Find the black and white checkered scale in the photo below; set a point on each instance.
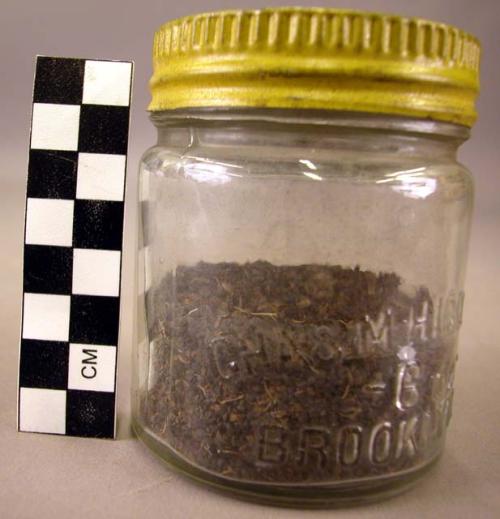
(73, 247)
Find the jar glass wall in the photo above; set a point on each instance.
(300, 294)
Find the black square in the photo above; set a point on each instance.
(44, 364)
(52, 174)
(98, 224)
(59, 80)
(103, 129)
(94, 320)
(90, 414)
(48, 270)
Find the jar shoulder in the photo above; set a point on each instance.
(308, 164)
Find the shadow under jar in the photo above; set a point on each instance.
(301, 271)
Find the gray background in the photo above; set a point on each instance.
(47, 476)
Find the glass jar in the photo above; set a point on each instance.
(302, 251)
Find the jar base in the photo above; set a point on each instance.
(308, 496)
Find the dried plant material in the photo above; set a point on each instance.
(296, 373)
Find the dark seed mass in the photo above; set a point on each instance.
(306, 373)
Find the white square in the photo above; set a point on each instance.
(42, 410)
(100, 176)
(96, 272)
(107, 83)
(92, 367)
(49, 222)
(55, 127)
(46, 317)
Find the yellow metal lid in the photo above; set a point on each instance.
(316, 58)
